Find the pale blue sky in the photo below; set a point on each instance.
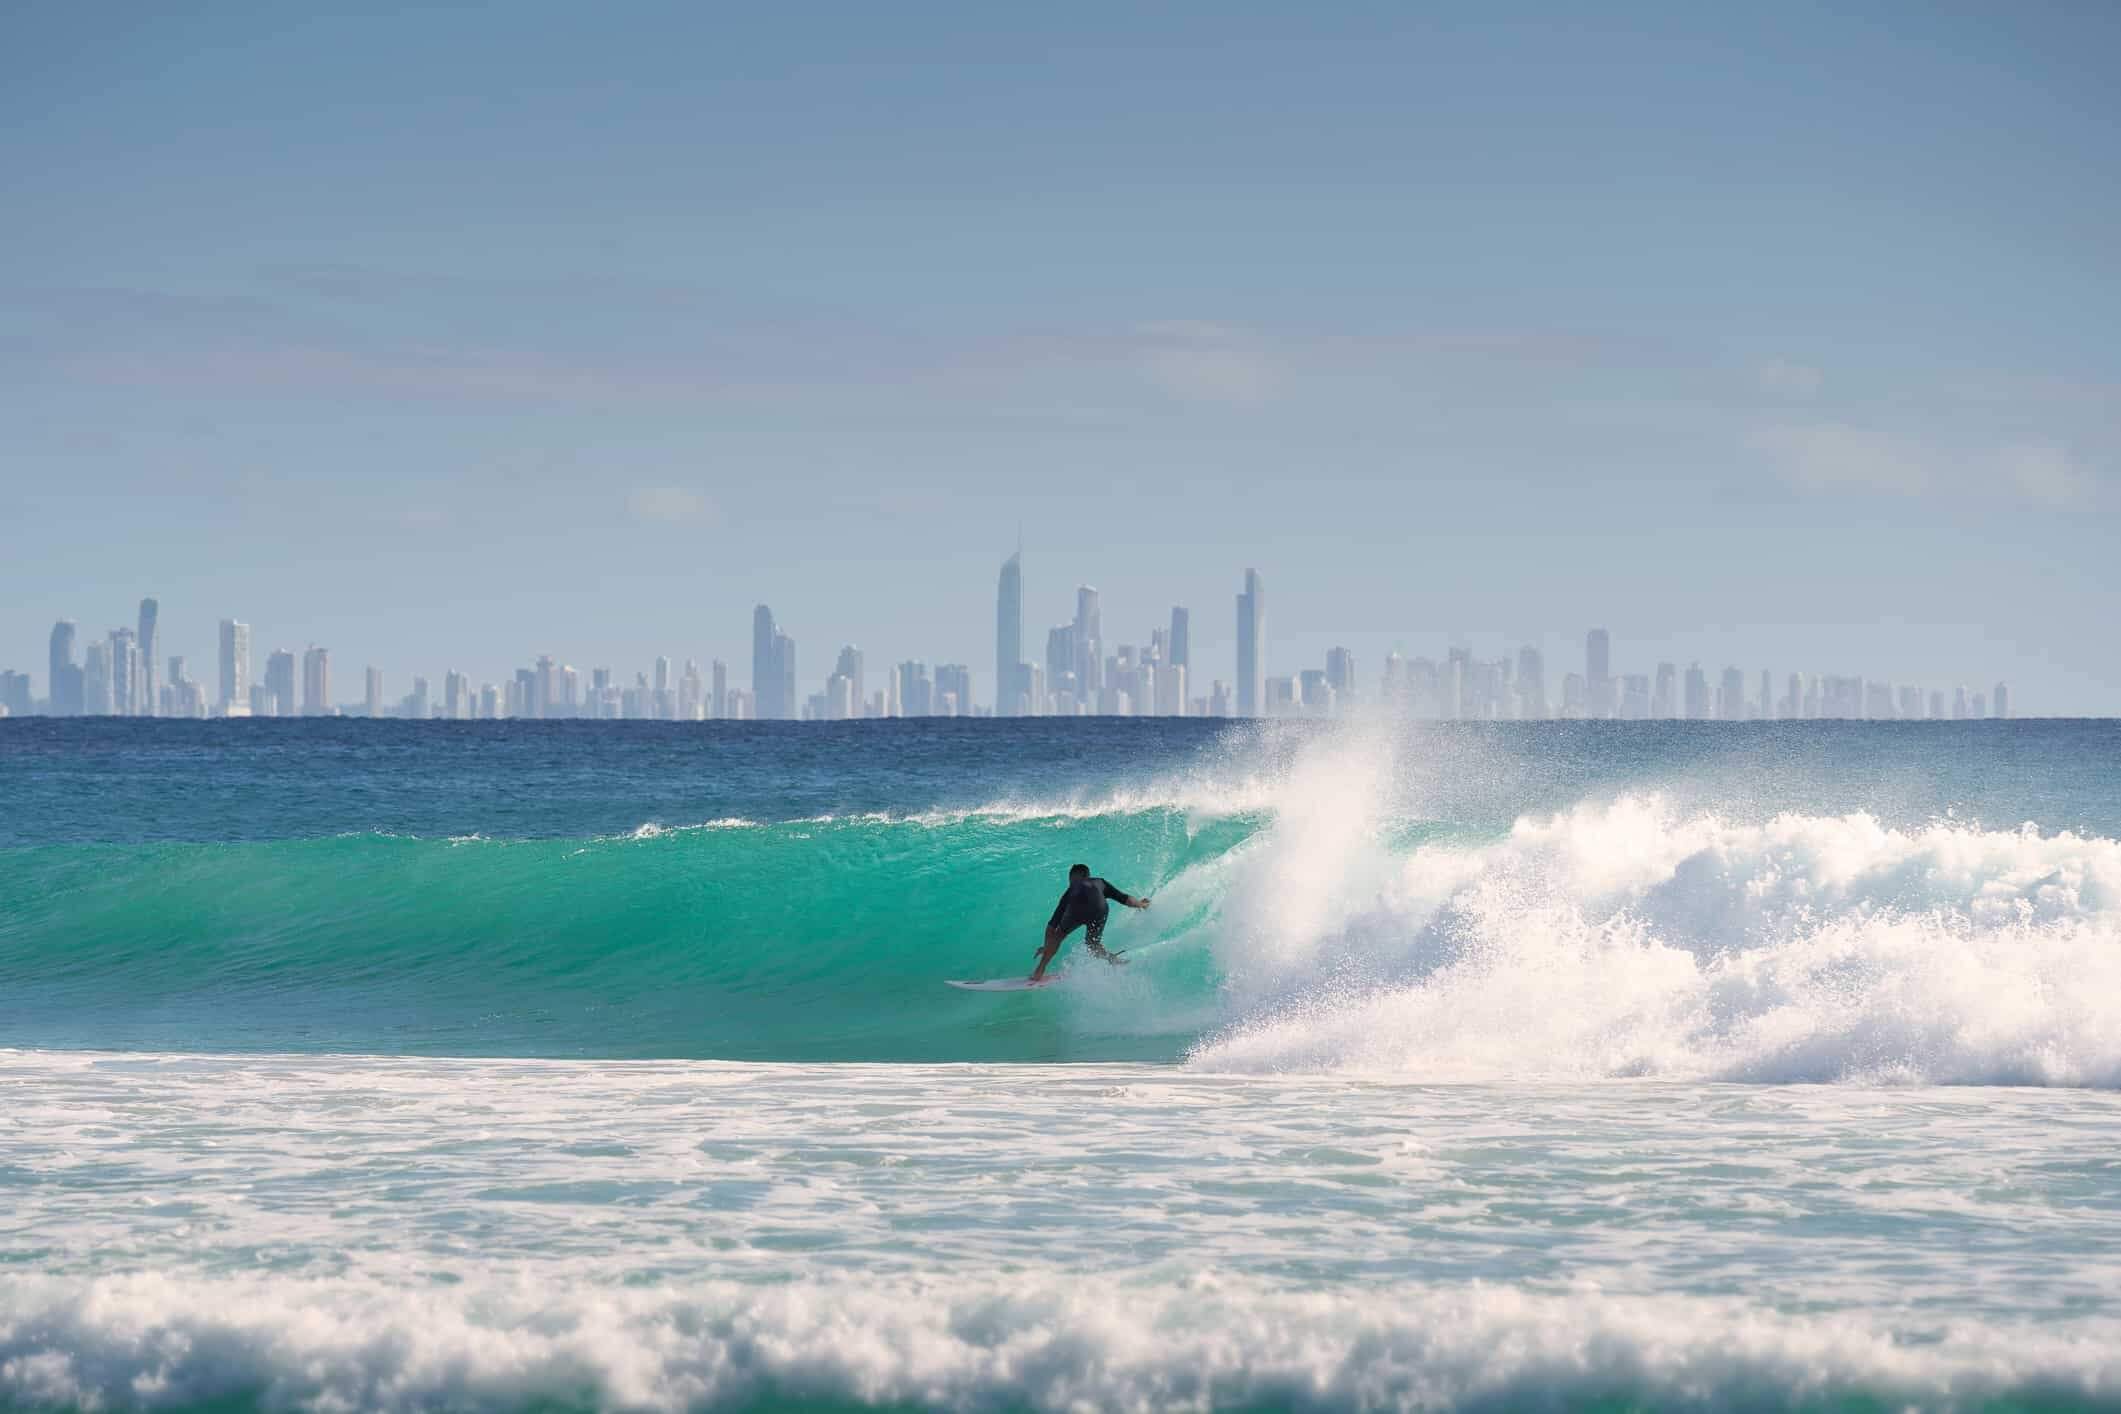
(1783, 338)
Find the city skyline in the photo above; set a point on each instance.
(1154, 674)
(1475, 322)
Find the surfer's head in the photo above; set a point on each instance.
(1078, 872)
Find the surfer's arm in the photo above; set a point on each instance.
(1121, 897)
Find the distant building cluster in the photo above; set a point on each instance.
(1462, 687)
(1079, 674)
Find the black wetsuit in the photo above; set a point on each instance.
(1083, 906)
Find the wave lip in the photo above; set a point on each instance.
(161, 1341)
(1625, 939)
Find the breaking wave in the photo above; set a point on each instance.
(161, 1341)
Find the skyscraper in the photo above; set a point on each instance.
(374, 694)
(1999, 701)
(915, 691)
(1009, 639)
(1251, 629)
(850, 666)
(1730, 696)
(1180, 654)
(316, 682)
(235, 665)
(65, 679)
(720, 671)
(124, 673)
(1531, 684)
(1340, 676)
(150, 611)
(765, 667)
(96, 699)
(280, 682)
(1089, 642)
(1598, 671)
(1664, 698)
(1060, 683)
(953, 690)
(1697, 693)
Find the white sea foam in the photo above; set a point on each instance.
(1629, 938)
(164, 1340)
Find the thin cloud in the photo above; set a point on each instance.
(671, 505)
(2048, 474)
(1203, 362)
(1831, 456)
(1781, 378)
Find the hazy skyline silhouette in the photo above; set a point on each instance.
(1780, 339)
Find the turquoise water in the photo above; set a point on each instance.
(367, 1065)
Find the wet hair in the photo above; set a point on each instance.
(1078, 871)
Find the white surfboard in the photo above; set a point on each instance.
(1006, 984)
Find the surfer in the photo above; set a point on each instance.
(1082, 906)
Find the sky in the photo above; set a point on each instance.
(449, 335)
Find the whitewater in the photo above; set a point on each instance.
(1587, 1065)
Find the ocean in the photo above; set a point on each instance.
(356, 1065)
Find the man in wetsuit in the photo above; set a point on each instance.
(1082, 906)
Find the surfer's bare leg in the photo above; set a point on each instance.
(1094, 940)
(1045, 953)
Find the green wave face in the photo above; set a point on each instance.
(808, 940)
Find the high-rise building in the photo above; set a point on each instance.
(953, 690)
(1531, 684)
(373, 697)
(1089, 642)
(16, 699)
(1697, 693)
(1340, 676)
(149, 645)
(1766, 711)
(235, 665)
(915, 692)
(1598, 672)
(280, 682)
(1730, 696)
(1999, 701)
(1959, 703)
(1059, 675)
(1251, 635)
(1179, 649)
(97, 699)
(316, 682)
(1635, 696)
(720, 671)
(772, 669)
(850, 666)
(1009, 683)
(125, 676)
(1664, 697)
(64, 682)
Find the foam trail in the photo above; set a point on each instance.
(1628, 939)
